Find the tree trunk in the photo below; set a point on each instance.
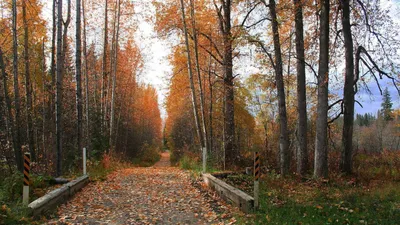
(192, 88)
(210, 116)
(17, 149)
(110, 77)
(53, 49)
(86, 69)
(61, 49)
(196, 53)
(321, 143)
(28, 86)
(10, 121)
(44, 120)
(104, 66)
(302, 154)
(53, 73)
(348, 96)
(60, 62)
(284, 134)
(114, 70)
(229, 121)
(78, 74)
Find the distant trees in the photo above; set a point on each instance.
(364, 119)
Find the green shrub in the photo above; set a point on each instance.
(11, 187)
(17, 214)
(175, 157)
(148, 155)
(189, 163)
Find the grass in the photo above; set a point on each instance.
(338, 201)
(194, 165)
(12, 211)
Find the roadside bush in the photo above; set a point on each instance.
(11, 188)
(150, 154)
(378, 166)
(190, 161)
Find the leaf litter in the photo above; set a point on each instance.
(153, 195)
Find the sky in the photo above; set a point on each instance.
(372, 102)
(155, 50)
(157, 69)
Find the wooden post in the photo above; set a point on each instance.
(257, 173)
(27, 162)
(84, 161)
(204, 160)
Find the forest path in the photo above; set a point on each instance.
(155, 195)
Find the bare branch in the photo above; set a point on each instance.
(335, 103)
(248, 13)
(212, 42)
(211, 54)
(359, 103)
(258, 22)
(264, 50)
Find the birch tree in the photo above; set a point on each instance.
(190, 73)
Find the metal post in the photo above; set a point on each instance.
(257, 173)
(25, 193)
(84, 161)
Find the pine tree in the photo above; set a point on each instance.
(387, 111)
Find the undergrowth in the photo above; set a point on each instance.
(12, 211)
(370, 196)
(148, 155)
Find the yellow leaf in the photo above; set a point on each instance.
(268, 219)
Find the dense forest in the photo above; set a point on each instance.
(288, 79)
(312, 59)
(61, 92)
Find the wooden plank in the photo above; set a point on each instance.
(230, 194)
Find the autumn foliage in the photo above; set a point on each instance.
(137, 119)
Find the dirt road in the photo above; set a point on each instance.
(155, 195)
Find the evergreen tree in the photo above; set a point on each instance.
(364, 119)
(386, 110)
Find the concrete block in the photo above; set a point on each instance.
(229, 193)
(57, 196)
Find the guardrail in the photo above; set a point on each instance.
(57, 196)
(229, 193)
